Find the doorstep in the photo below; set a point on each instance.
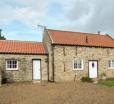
(36, 81)
(95, 80)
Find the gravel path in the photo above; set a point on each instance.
(56, 93)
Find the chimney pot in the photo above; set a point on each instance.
(99, 32)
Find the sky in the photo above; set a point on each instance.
(19, 19)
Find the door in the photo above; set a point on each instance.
(93, 69)
(36, 69)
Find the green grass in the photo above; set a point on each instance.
(109, 83)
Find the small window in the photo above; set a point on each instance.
(77, 64)
(11, 65)
(93, 65)
(111, 64)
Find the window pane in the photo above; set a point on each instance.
(12, 64)
(77, 64)
(109, 63)
(93, 65)
(8, 66)
(80, 64)
(74, 65)
(15, 62)
(112, 64)
(15, 66)
(8, 62)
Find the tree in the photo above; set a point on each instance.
(2, 37)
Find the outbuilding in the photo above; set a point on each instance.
(23, 61)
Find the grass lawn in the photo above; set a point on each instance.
(109, 83)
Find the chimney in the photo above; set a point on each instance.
(99, 32)
(86, 39)
(0, 32)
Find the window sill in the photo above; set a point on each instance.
(11, 69)
(111, 68)
(77, 69)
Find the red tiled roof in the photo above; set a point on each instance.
(21, 47)
(77, 38)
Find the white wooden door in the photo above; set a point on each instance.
(93, 68)
(36, 69)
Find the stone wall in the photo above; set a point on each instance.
(64, 56)
(24, 72)
(61, 60)
(47, 42)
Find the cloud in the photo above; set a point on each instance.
(79, 10)
(102, 18)
(76, 15)
(92, 16)
(30, 12)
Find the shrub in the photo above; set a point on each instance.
(103, 74)
(4, 80)
(86, 79)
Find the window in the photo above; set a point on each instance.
(111, 64)
(93, 65)
(77, 64)
(11, 65)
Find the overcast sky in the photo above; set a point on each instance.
(19, 18)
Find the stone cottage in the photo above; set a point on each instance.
(62, 56)
(73, 55)
(23, 61)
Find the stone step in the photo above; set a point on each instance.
(36, 81)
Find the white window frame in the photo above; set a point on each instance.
(112, 66)
(82, 67)
(11, 68)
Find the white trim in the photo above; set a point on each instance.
(111, 64)
(36, 69)
(11, 68)
(81, 66)
(93, 71)
(110, 67)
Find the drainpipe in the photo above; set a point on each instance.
(0, 77)
(48, 66)
(53, 68)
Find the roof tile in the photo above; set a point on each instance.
(78, 38)
(21, 47)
